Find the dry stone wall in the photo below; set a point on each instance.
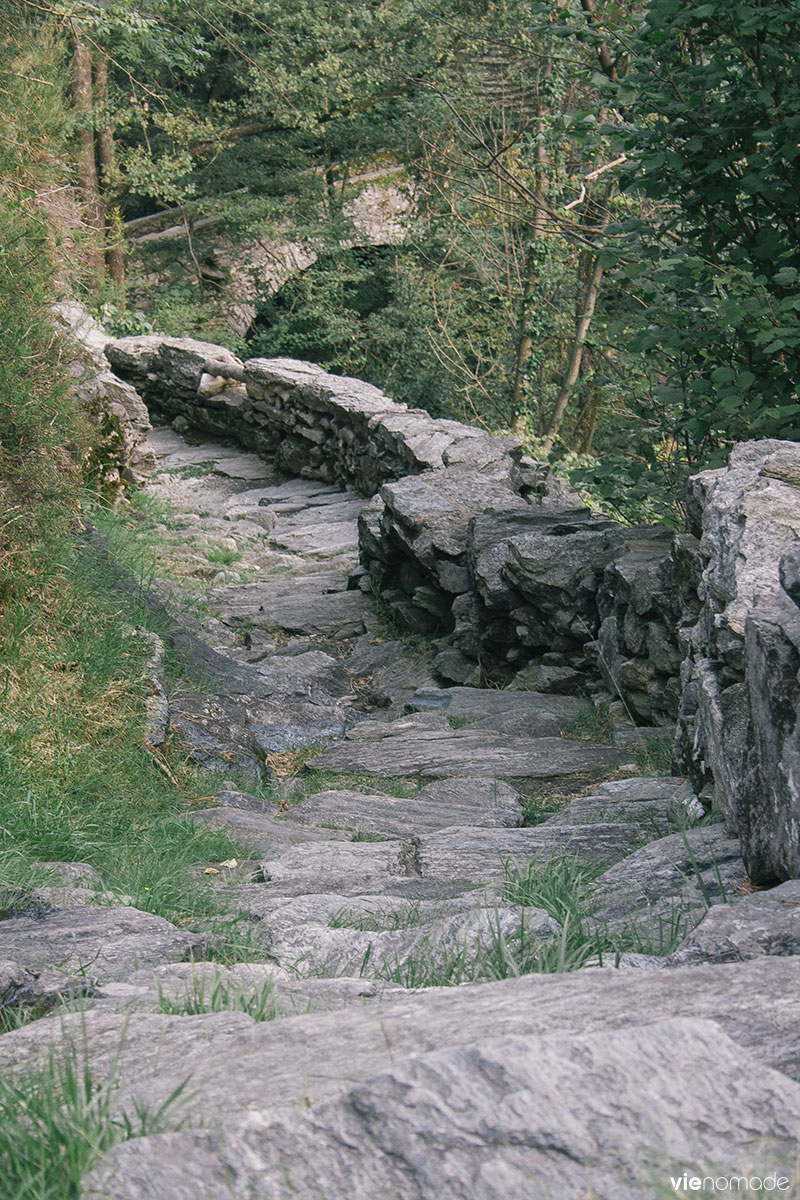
(487, 553)
(310, 422)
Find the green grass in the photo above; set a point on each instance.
(593, 724)
(224, 555)
(77, 780)
(234, 940)
(460, 722)
(382, 920)
(500, 956)
(55, 1122)
(216, 995)
(655, 756)
(542, 804)
(562, 886)
(192, 470)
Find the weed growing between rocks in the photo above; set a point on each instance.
(655, 756)
(594, 724)
(233, 940)
(57, 1121)
(382, 920)
(212, 996)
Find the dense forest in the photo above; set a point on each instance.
(600, 248)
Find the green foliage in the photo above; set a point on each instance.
(594, 724)
(55, 1122)
(43, 436)
(713, 138)
(217, 995)
(77, 781)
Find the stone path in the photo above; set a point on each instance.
(387, 863)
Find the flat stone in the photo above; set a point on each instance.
(530, 713)
(235, 1064)
(107, 942)
(266, 836)
(550, 1115)
(243, 466)
(480, 855)
(747, 927)
(336, 864)
(300, 610)
(317, 540)
(468, 751)
(647, 804)
(481, 802)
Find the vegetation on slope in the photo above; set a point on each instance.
(77, 779)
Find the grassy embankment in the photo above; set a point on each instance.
(77, 780)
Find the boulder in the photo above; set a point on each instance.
(739, 733)
(540, 1115)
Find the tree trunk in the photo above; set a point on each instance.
(587, 417)
(87, 169)
(524, 338)
(115, 246)
(576, 352)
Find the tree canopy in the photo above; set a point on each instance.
(602, 246)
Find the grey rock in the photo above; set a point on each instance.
(229, 1058)
(531, 713)
(118, 417)
(541, 1116)
(230, 797)
(546, 677)
(439, 753)
(107, 942)
(336, 864)
(267, 836)
(338, 614)
(41, 989)
(748, 927)
(480, 855)
(489, 803)
(74, 874)
(646, 805)
(461, 942)
(453, 666)
(737, 727)
(789, 572)
(671, 880)
(283, 737)
(767, 806)
(186, 984)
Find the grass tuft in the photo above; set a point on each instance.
(57, 1121)
(216, 995)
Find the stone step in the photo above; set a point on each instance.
(448, 802)
(100, 941)
(537, 714)
(396, 749)
(510, 1110)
